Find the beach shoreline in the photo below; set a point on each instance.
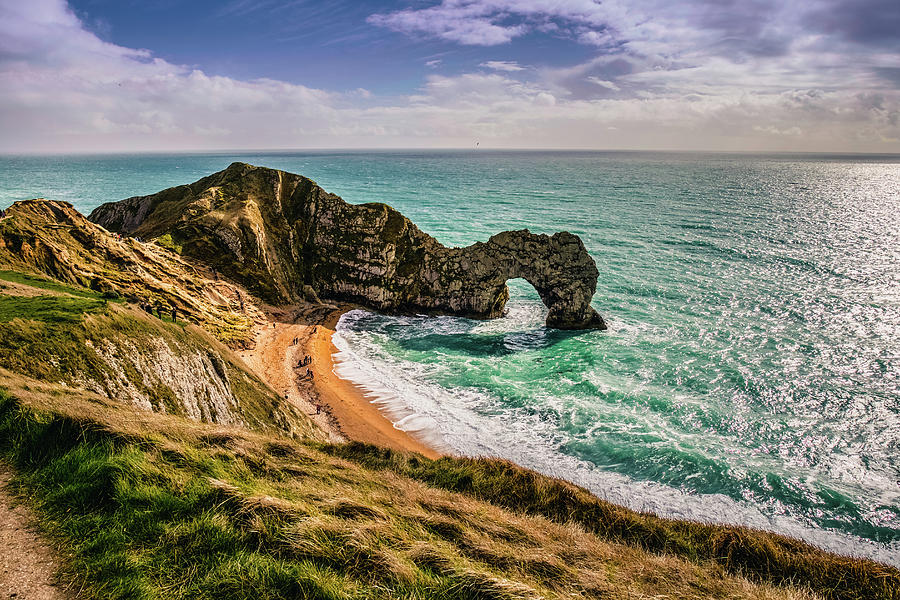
(342, 409)
(349, 404)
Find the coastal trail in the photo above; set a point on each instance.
(27, 562)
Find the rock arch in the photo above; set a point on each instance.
(558, 267)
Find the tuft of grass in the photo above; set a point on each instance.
(168, 243)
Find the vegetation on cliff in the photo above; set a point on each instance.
(52, 239)
(76, 338)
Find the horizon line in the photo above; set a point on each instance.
(40, 153)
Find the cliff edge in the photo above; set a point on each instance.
(286, 239)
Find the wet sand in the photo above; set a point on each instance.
(359, 419)
(346, 412)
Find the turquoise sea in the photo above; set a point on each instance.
(751, 371)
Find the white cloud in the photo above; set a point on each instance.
(481, 22)
(64, 89)
(463, 24)
(604, 83)
(502, 65)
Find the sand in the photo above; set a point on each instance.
(346, 410)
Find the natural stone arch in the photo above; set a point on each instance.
(558, 267)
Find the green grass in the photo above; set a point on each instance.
(46, 284)
(168, 243)
(151, 506)
(48, 309)
(146, 524)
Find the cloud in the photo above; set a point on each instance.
(869, 23)
(63, 89)
(483, 22)
(464, 24)
(604, 83)
(502, 65)
(61, 86)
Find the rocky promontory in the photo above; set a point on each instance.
(286, 239)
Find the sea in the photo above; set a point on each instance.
(751, 370)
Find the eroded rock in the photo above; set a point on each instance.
(280, 235)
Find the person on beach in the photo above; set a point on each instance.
(159, 309)
(174, 314)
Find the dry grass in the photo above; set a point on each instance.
(155, 506)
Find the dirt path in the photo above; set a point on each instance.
(27, 563)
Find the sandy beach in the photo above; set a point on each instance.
(346, 412)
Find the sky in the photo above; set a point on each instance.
(181, 75)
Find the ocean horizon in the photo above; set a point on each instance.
(751, 371)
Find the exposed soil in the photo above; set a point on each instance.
(28, 565)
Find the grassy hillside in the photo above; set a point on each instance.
(53, 240)
(78, 338)
(155, 506)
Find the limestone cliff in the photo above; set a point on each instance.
(285, 238)
(76, 331)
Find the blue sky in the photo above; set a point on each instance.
(114, 75)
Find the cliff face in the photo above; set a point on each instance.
(73, 331)
(285, 238)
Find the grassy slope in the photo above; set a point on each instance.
(53, 338)
(156, 506)
(49, 285)
(52, 239)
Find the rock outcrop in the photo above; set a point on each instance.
(284, 237)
